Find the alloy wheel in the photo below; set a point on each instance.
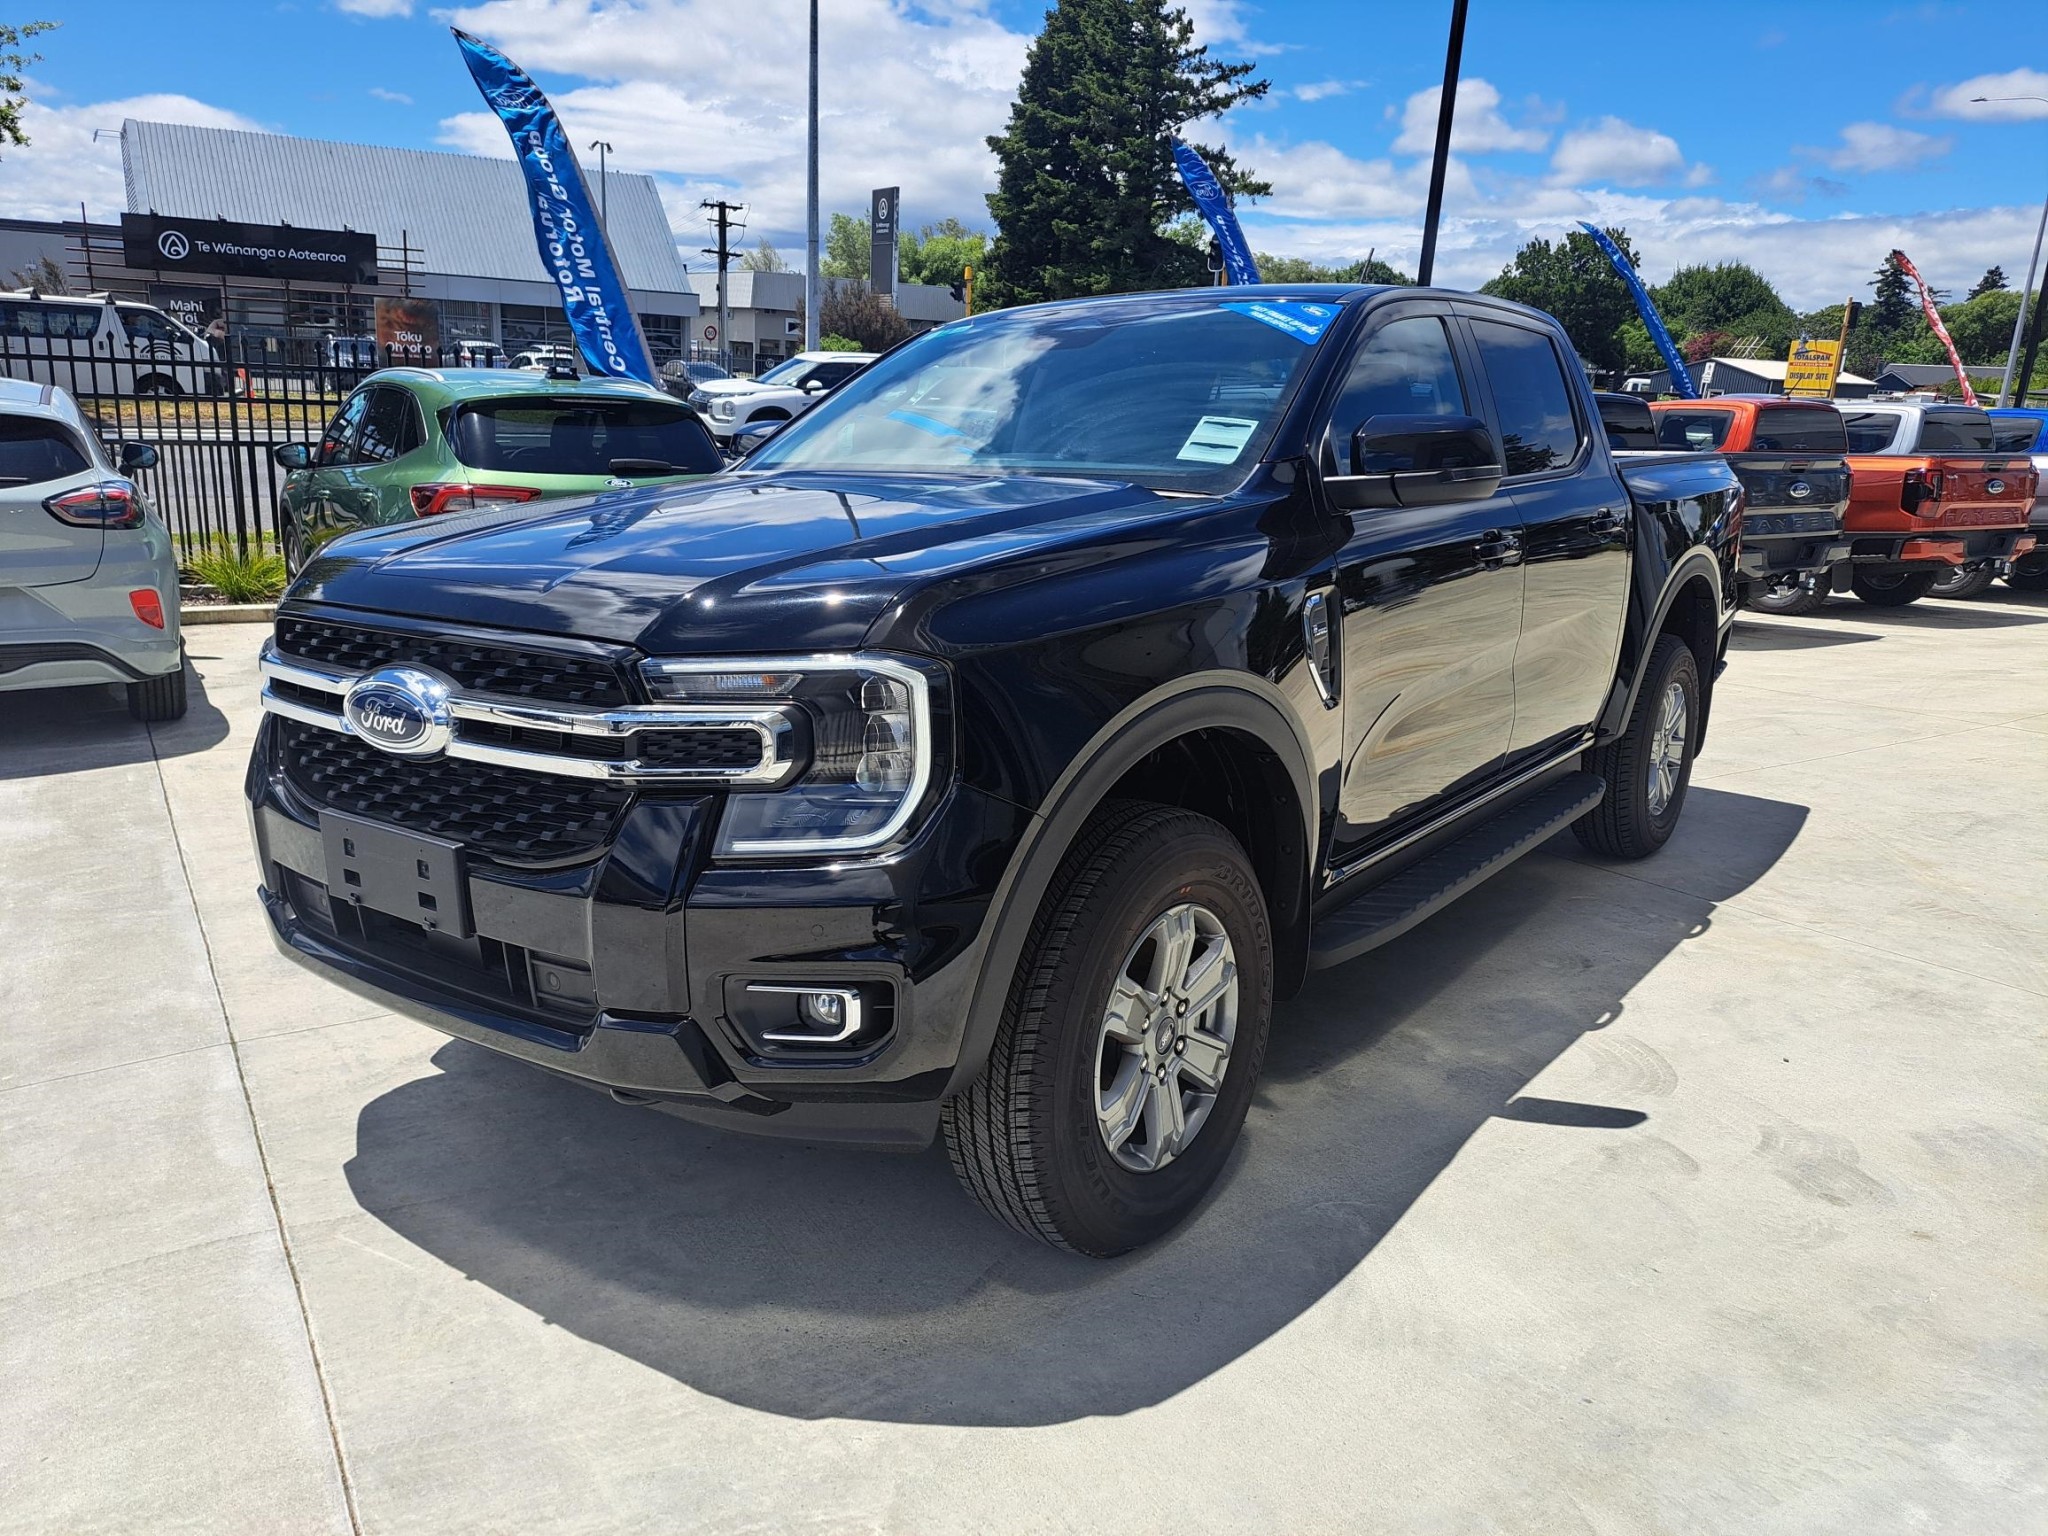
(1667, 746)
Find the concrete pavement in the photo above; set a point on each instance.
(1699, 1195)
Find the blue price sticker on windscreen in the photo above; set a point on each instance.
(1304, 322)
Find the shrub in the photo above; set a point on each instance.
(251, 575)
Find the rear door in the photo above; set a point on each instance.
(1576, 525)
(40, 458)
(1429, 601)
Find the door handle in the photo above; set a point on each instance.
(1605, 522)
(1499, 546)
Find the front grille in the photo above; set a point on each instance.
(710, 748)
(500, 669)
(507, 812)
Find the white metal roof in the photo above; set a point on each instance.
(465, 214)
(1774, 368)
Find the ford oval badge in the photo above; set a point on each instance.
(1995, 487)
(1799, 490)
(400, 710)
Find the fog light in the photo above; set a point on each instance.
(829, 1015)
(827, 1010)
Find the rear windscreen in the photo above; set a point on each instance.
(2014, 434)
(1870, 431)
(32, 452)
(1964, 431)
(1627, 422)
(1797, 430)
(579, 437)
(1693, 429)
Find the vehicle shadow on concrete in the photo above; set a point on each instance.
(1750, 635)
(1933, 613)
(824, 1283)
(62, 730)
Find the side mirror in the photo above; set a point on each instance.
(291, 456)
(744, 443)
(136, 456)
(814, 386)
(1418, 461)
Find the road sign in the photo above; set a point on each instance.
(1810, 368)
(711, 333)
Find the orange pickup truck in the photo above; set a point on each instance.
(1930, 499)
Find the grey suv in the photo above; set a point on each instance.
(88, 583)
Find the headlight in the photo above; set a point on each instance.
(699, 401)
(871, 747)
(724, 408)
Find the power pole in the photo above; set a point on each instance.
(604, 187)
(722, 220)
(1446, 106)
(811, 285)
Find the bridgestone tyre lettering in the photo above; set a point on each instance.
(1627, 823)
(1024, 1139)
(1890, 589)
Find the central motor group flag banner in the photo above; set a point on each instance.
(1208, 194)
(1681, 377)
(572, 243)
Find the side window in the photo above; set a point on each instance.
(831, 375)
(336, 442)
(1405, 368)
(146, 326)
(1538, 427)
(72, 321)
(391, 427)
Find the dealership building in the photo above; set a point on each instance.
(317, 232)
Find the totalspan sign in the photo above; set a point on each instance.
(1810, 368)
(158, 242)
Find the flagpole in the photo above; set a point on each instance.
(811, 203)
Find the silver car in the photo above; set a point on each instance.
(88, 584)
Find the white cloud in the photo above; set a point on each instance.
(1619, 154)
(376, 9)
(1476, 125)
(1322, 90)
(1867, 147)
(398, 97)
(1955, 100)
(64, 165)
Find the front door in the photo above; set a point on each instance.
(1429, 600)
(314, 492)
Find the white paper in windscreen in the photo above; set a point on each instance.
(1217, 439)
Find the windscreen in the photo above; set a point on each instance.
(784, 373)
(1955, 431)
(2014, 434)
(1695, 430)
(1870, 431)
(1799, 429)
(567, 436)
(33, 452)
(1163, 393)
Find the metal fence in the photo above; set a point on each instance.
(213, 417)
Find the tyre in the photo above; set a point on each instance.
(1648, 766)
(159, 698)
(2029, 573)
(1957, 582)
(1131, 1040)
(1790, 595)
(158, 384)
(1890, 589)
(288, 547)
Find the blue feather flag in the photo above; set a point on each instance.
(572, 242)
(1681, 377)
(1209, 196)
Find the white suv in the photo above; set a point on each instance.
(788, 389)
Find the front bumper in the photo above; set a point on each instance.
(649, 945)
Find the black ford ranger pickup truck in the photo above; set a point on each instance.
(986, 753)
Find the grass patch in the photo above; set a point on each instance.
(254, 576)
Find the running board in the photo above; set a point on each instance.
(1385, 912)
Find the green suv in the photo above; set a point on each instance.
(414, 442)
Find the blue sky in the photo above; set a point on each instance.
(1810, 138)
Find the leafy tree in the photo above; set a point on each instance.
(846, 247)
(43, 275)
(1993, 281)
(1294, 269)
(850, 309)
(1731, 297)
(764, 258)
(938, 252)
(839, 344)
(13, 62)
(1574, 281)
(1085, 181)
(1893, 308)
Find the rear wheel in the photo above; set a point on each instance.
(1957, 582)
(1649, 766)
(2029, 573)
(289, 547)
(159, 698)
(1791, 595)
(1131, 1041)
(160, 384)
(1890, 588)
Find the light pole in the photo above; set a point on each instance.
(811, 203)
(1445, 107)
(2019, 325)
(604, 200)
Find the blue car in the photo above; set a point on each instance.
(2024, 429)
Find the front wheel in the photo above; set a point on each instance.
(1890, 589)
(1957, 582)
(1791, 595)
(1648, 766)
(1131, 1040)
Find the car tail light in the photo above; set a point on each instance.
(110, 504)
(429, 500)
(148, 606)
(1920, 487)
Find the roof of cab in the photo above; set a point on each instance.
(474, 383)
(25, 397)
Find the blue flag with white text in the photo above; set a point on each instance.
(1208, 194)
(1681, 377)
(572, 244)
